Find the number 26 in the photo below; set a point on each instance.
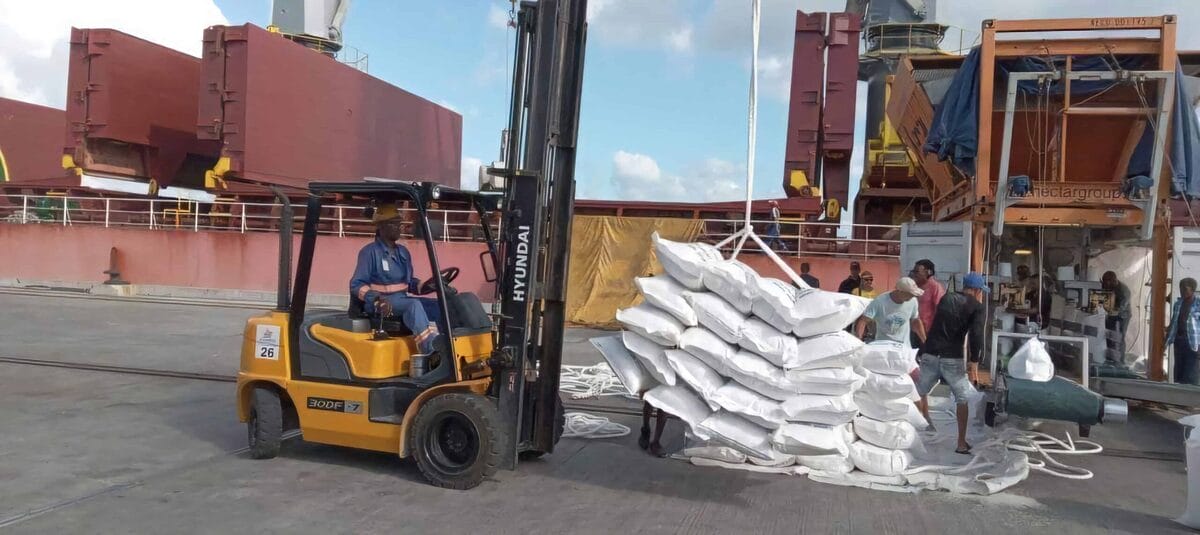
(267, 352)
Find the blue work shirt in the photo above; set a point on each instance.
(382, 269)
(1190, 329)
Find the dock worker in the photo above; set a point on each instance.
(893, 315)
(807, 277)
(384, 277)
(866, 286)
(925, 274)
(959, 319)
(851, 282)
(1184, 333)
(1118, 317)
(773, 240)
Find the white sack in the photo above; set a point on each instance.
(681, 402)
(755, 373)
(738, 433)
(696, 374)
(833, 350)
(819, 409)
(827, 381)
(654, 358)
(875, 460)
(778, 460)
(882, 409)
(806, 439)
(880, 386)
(775, 302)
(707, 347)
(894, 435)
(685, 262)
(766, 341)
(805, 312)
(652, 323)
(724, 454)
(747, 467)
(754, 407)
(836, 464)
(1032, 362)
(841, 310)
(624, 365)
(717, 315)
(888, 358)
(735, 282)
(665, 293)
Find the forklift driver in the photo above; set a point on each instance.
(384, 275)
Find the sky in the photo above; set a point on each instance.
(664, 112)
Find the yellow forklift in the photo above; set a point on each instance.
(488, 395)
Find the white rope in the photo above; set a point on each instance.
(584, 425)
(1043, 444)
(584, 382)
(751, 133)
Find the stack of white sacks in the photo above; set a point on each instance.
(764, 372)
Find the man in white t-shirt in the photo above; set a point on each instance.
(894, 314)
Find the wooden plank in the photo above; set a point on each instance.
(909, 109)
(1055, 193)
(1131, 142)
(953, 204)
(1062, 135)
(987, 86)
(1111, 111)
(1078, 47)
(1081, 24)
(1162, 236)
(1051, 217)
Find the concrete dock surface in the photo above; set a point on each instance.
(85, 451)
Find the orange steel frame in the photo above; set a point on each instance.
(977, 203)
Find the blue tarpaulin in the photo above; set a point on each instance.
(954, 134)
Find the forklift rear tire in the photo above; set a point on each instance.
(265, 426)
(457, 440)
(560, 421)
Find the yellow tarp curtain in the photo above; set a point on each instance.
(607, 253)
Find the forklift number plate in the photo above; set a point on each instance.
(266, 342)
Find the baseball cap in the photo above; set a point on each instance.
(906, 284)
(975, 280)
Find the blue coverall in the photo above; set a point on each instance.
(385, 270)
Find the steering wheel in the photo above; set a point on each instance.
(430, 285)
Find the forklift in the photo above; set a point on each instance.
(488, 395)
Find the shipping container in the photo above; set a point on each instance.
(31, 144)
(131, 112)
(287, 115)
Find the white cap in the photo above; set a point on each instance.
(906, 284)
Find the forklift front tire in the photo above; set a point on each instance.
(457, 440)
(264, 429)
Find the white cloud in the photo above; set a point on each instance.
(638, 177)
(642, 23)
(34, 37)
(498, 17)
(680, 40)
(469, 177)
(775, 77)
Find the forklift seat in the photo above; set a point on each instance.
(392, 326)
(466, 314)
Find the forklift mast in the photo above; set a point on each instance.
(538, 204)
